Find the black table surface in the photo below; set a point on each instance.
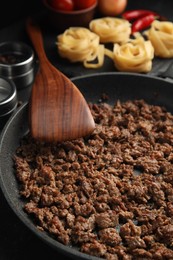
(16, 241)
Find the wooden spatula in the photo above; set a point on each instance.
(57, 109)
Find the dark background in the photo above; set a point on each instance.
(14, 10)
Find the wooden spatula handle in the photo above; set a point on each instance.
(34, 33)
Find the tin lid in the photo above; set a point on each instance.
(17, 62)
(8, 96)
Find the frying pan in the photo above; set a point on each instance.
(122, 86)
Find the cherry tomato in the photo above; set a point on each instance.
(83, 4)
(62, 5)
(112, 7)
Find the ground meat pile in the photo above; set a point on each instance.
(111, 193)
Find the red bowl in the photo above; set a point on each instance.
(62, 20)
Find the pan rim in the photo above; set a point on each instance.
(131, 74)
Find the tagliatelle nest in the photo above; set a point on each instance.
(79, 44)
(134, 56)
(110, 29)
(161, 36)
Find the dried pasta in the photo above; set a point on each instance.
(111, 30)
(161, 36)
(134, 56)
(79, 44)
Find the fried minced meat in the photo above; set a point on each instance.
(110, 193)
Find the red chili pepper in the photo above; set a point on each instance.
(143, 23)
(138, 13)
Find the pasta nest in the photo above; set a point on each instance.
(111, 30)
(161, 36)
(134, 56)
(79, 44)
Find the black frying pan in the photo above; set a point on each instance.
(123, 86)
